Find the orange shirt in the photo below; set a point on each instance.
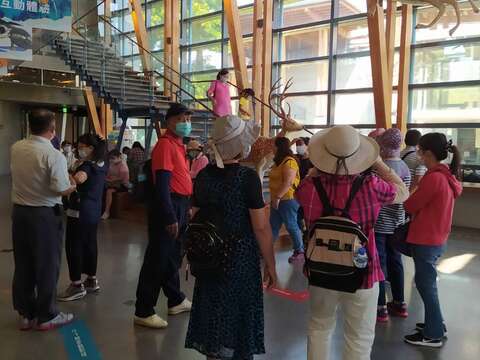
(169, 154)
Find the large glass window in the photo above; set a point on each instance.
(155, 14)
(204, 29)
(299, 12)
(304, 43)
(447, 63)
(446, 105)
(307, 76)
(310, 110)
(201, 7)
(201, 58)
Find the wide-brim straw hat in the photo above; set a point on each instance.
(232, 136)
(342, 150)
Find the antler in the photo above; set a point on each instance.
(281, 114)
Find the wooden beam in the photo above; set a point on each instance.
(379, 62)
(236, 42)
(167, 46)
(390, 41)
(267, 63)
(107, 6)
(106, 118)
(92, 111)
(175, 64)
(257, 54)
(142, 36)
(404, 71)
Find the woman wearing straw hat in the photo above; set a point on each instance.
(227, 321)
(340, 154)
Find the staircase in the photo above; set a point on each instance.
(129, 92)
(109, 77)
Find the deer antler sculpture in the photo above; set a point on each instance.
(263, 149)
(441, 5)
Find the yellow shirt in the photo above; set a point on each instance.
(276, 178)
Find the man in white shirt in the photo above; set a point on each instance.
(409, 155)
(39, 180)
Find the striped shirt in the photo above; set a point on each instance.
(392, 216)
(365, 208)
(409, 155)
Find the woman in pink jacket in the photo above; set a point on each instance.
(431, 207)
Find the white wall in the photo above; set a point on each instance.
(10, 131)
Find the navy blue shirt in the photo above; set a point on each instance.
(91, 191)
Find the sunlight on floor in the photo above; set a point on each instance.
(455, 263)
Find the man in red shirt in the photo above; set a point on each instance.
(167, 219)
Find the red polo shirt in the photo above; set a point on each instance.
(169, 154)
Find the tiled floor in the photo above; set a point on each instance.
(109, 314)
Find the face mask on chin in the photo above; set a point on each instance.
(67, 149)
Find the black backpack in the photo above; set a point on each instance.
(332, 244)
(206, 244)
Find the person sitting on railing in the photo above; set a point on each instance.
(245, 104)
(118, 179)
(219, 94)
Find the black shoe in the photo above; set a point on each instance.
(420, 340)
(421, 327)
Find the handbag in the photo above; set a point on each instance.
(399, 239)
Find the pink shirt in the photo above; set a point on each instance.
(221, 93)
(118, 172)
(365, 208)
(198, 165)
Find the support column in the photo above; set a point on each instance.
(142, 36)
(404, 72)
(167, 46)
(107, 5)
(390, 41)
(92, 111)
(236, 42)
(379, 62)
(267, 63)
(122, 132)
(175, 62)
(257, 54)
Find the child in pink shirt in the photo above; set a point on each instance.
(219, 94)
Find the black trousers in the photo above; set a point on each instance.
(81, 248)
(162, 261)
(37, 234)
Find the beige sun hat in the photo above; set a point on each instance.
(232, 136)
(342, 150)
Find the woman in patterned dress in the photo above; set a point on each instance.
(227, 320)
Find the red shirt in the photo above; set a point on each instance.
(169, 154)
(365, 208)
(431, 206)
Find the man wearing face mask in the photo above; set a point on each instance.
(167, 219)
(39, 180)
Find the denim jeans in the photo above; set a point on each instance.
(425, 259)
(287, 214)
(392, 267)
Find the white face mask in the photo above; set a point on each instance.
(301, 149)
(83, 154)
(67, 149)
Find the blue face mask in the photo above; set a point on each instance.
(183, 129)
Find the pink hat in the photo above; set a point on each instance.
(390, 143)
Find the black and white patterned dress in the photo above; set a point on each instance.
(227, 321)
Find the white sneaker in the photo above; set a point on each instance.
(60, 320)
(185, 306)
(154, 322)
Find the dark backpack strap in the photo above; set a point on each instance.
(327, 206)
(408, 153)
(357, 184)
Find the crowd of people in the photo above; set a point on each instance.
(337, 173)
